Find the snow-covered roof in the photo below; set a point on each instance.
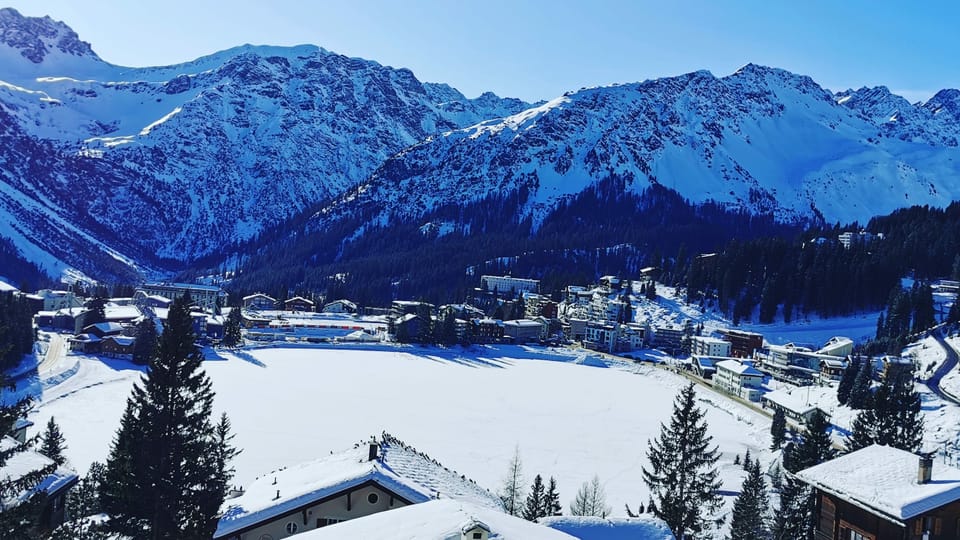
(739, 368)
(298, 299)
(117, 313)
(342, 302)
(790, 402)
(85, 337)
(437, 520)
(124, 341)
(21, 463)
(258, 295)
(710, 339)
(107, 327)
(883, 481)
(645, 527)
(523, 323)
(400, 469)
(6, 287)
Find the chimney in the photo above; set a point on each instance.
(374, 450)
(926, 469)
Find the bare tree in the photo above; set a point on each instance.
(512, 493)
(591, 500)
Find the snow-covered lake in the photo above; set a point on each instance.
(468, 409)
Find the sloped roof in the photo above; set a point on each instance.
(739, 368)
(23, 463)
(883, 481)
(400, 469)
(645, 527)
(437, 520)
(789, 401)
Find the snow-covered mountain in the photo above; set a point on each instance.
(761, 140)
(108, 166)
(174, 162)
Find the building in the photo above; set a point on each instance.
(442, 519)
(506, 285)
(57, 300)
(709, 346)
(207, 297)
(742, 344)
(370, 478)
(118, 346)
(642, 527)
(704, 366)
(522, 330)
(298, 303)
(863, 237)
(795, 408)
(671, 339)
(883, 493)
(739, 379)
(486, 330)
(837, 346)
(55, 485)
(259, 302)
(340, 306)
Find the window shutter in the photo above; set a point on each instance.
(937, 526)
(918, 526)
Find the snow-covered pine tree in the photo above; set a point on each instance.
(53, 444)
(232, 335)
(551, 499)
(164, 476)
(849, 376)
(894, 419)
(778, 430)
(145, 347)
(751, 507)
(796, 518)
(683, 477)
(860, 395)
(512, 492)
(534, 507)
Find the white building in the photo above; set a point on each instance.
(709, 346)
(507, 284)
(738, 379)
(204, 296)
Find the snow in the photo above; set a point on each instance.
(951, 381)
(927, 354)
(22, 463)
(883, 480)
(740, 368)
(645, 527)
(469, 409)
(437, 520)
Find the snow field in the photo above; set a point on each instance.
(468, 410)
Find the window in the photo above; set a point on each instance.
(323, 522)
(477, 536)
(292, 528)
(373, 498)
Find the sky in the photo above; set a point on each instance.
(539, 49)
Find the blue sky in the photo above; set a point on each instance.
(538, 49)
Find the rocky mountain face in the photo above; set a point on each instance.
(175, 162)
(104, 166)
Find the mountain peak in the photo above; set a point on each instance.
(37, 37)
(947, 100)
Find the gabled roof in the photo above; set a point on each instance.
(259, 295)
(437, 520)
(645, 527)
(739, 368)
(883, 481)
(399, 469)
(790, 402)
(23, 463)
(105, 327)
(298, 298)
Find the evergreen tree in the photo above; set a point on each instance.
(165, 473)
(534, 507)
(651, 292)
(591, 500)
(750, 508)
(145, 346)
(683, 478)
(923, 309)
(860, 395)
(796, 519)
(746, 460)
(551, 499)
(849, 376)
(53, 443)
(894, 419)
(98, 310)
(778, 429)
(232, 336)
(512, 492)
(83, 501)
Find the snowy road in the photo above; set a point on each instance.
(946, 367)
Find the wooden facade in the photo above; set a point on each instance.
(841, 520)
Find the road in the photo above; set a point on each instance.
(54, 351)
(951, 361)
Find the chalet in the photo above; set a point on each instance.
(522, 330)
(340, 306)
(259, 302)
(53, 487)
(104, 329)
(795, 408)
(298, 303)
(443, 518)
(118, 346)
(742, 344)
(883, 493)
(709, 346)
(739, 379)
(832, 368)
(371, 478)
(85, 343)
(207, 297)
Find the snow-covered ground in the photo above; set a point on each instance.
(951, 381)
(928, 355)
(467, 409)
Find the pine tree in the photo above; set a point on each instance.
(512, 492)
(846, 381)
(145, 346)
(894, 419)
(534, 507)
(746, 460)
(551, 499)
(796, 518)
(651, 292)
(591, 500)
(83, 501)
(683, 478)
(750, 509)
(165, 473)
(778, 429)
(232, 335)
(860, 396)
(53, 443)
